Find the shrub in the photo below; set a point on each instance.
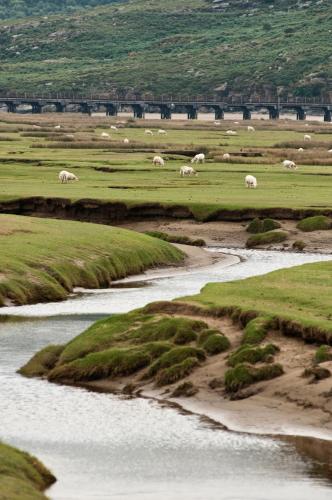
(243, 375)
(184, 240)
(299, 245)
(262, 226)
(270, 225)
(316, 373)
(266, 238)
(42, 362)
(175, 356)
(323, 353)
(176, 372)
(216, 343)
(252, 354)
(184, 336)
(186, 389)
(255, 331)
(316, 223)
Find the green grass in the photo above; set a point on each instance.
(216, 343)
(184, 240)
(317, 223)
(323, 353)
(256, 240)
(178, 46)
(44, 259)
(22, 476)
(252, 355)
(244, 375)
(262, 226)
(255, 331)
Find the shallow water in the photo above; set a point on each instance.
(101, 446)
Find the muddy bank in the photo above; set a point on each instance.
(105, 212)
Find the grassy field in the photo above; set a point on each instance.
(43, 260)
(30, 164)
(22, 476)
(178, 46)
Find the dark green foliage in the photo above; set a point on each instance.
(316, 223)
(184, 240)
(266, 238)
(182, 330)
(175, 356)
(262, 226)
(244, 374)
(252, 355)
(255, 331)
(323, 353)
(42, 362)
(299, 245)
(215, 344)
(176, 372)
(270, 225)
(184, 390)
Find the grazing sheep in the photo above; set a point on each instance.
(236, 123)
(65, 177)
(113, 127)
(231, 132)
(289, 164)
(300, 150)
(330, 151)
(185, 170)
(217, 123)
(250, 128)
(36, 126)
(251, 181)
(226, 156)
(70, 136)
(148, 132)
(307, 137)
(57, 127)
(162, 132)
(126, 140)
(157, 160)
(105, 134)
(199, 158)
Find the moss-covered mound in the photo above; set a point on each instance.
(323, 353)
(316, 223)
(184, 240)
(252, 355)
(244, 374)
(166, 348)
(255, 331)
(22, 477)
(262, 226)
(266, 238)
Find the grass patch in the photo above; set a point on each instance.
(244, 375)
(42, 362)
(175, 357)
(317, 223)
(216, 343)
(184, 240)
(323, 353)
(266, 238)
(262, 226)
(252, 355)
(22, 476)
(255, 331)
(176, 372)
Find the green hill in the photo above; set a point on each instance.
(178, 46)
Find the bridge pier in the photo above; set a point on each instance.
(300, 114)
(219, 113)
(139, 110)
(274, 113)
(36, 108)
(165, 112)
(191, 112)
(11, 107)
(111, 109)
(59, 107)
(86, 108)
(327, 115)
(246, 114)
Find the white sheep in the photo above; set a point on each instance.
(70, 136)
(231, 132)
(330, 151)
(199, 158)
(65, 177)
(185, 170)
(158, 160)
(236, 123)
(105, 134)
(307, 137)
(148, 132)
(250, 128)
(289, 164)
(217, 123)
(57, 127)
(162, 132)
(250, 181)
(126, 140)
(226, 156)
(113, 127)
(300, 150)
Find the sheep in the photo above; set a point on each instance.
(250, 181)
(148, 132)
(105, 134)
(289, 164)
(185, 170)
(250, 128)
(157, 160)
(126, 140)
(217, 123)
(226, 156)
(307, 137)
(65, 177)
(57, 127)
(162, 132)
(70, 136)
(113, 127)
(236, 123)
(231, 132)
(199, 158)
(300, 150)
(330, 151)
(36, 126)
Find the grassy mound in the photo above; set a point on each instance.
(266, 238)
(316, 223)
(184, 390)
(184, 240)
(323, 353)
(22, 476)
(255, 331)
(244, 375)
(262, 226)
(60, 255)
(252, 355)
(166, 348)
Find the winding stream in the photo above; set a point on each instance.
(101, 446)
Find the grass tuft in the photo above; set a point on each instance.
(316, 223)
(252, 355)
(266, 238)
(244, 375)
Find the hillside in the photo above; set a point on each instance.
(178, 46)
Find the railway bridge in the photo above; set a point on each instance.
(167, 105)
